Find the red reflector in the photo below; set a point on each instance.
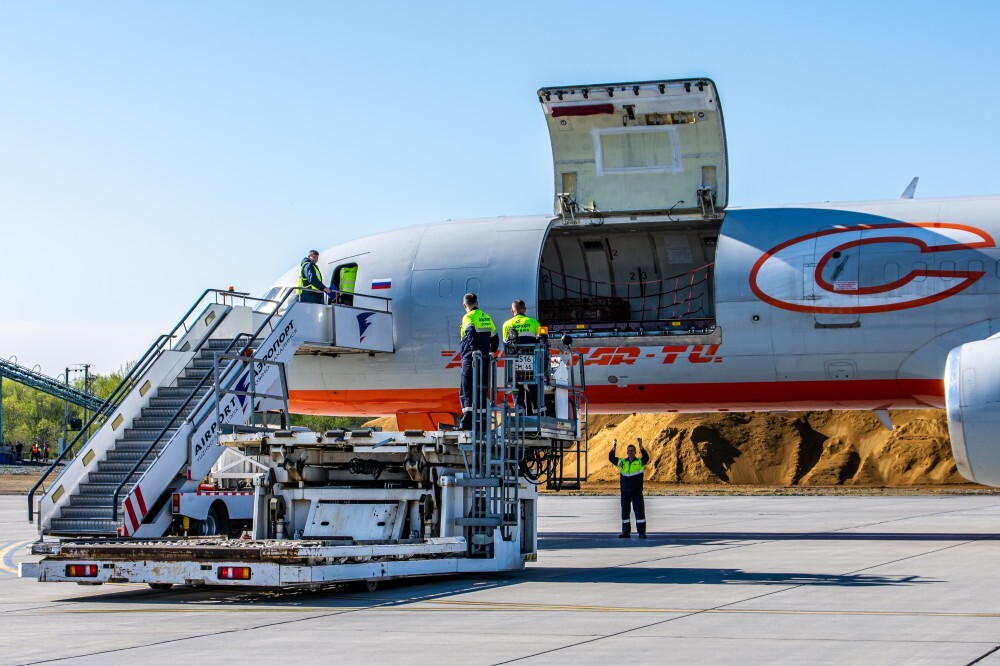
(81, 570)
(582, 110)
(234, 573)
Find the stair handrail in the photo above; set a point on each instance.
(125, 386)
(250, 340)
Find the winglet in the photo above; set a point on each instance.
(910, 189)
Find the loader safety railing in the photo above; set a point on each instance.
(567, 299)
(131, 379)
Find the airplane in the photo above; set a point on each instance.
(679, 302)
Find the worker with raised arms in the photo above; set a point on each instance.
(631, 470)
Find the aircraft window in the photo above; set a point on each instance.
(976, 266)
(273, 294)
(947, 266)
(629, 149)
(891, 272)
(919, 268)
(444, 288)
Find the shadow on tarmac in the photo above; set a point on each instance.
(581, 540)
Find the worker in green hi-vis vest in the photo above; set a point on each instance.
(631, 469)
(344, 282)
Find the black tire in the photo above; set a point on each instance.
(216, 522)
(369, 585)
(160, 586)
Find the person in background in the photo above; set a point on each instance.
(630, 470)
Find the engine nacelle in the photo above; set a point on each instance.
(972, 398)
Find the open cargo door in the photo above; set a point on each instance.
(654, 147)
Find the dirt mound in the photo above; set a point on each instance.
(768, 449)
(387, 423)
(805, 449)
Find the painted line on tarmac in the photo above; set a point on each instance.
(486, 606)
(7, 557)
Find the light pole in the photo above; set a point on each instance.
(85, 369)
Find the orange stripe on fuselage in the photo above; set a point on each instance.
(743, 396)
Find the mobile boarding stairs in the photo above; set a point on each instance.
(220, 365)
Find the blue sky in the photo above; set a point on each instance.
(150, 150)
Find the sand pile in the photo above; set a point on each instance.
(807, 448)
(788, 449)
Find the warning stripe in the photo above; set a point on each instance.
(131, 515)
(142, 503)
(217, 493)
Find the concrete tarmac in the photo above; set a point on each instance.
(721, 580)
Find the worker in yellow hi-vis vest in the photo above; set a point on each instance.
(630, 469)
(476, 333)
(345, 283)
(311, 280)
(520, 333)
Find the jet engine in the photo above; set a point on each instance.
(972, 398)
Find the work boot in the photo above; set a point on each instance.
(624, 535)
(642, 535)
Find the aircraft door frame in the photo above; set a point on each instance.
(831, 281)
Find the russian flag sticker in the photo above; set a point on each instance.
(382, 283)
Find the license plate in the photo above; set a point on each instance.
(525, 362)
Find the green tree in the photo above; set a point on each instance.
(323, 423)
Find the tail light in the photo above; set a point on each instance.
(81, 570)
(175, 503)
(234, 573)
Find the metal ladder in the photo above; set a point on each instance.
(492, 459)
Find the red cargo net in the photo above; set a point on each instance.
(569, 299)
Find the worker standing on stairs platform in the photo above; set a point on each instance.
(345, 282)
(311, 280)
(630, 469)
(522, 330)
(476, 333)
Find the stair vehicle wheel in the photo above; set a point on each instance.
(160, 586)
(215, 523)
(369, 585)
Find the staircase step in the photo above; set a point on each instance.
(157, 423)
(86, 512)
(147, 434)
(119, 467)
(105, 489)
(216, 344)
(161, 411)
(180, 391)
(197, 374)
(79, 501)
(69, 527)
(131, 455)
